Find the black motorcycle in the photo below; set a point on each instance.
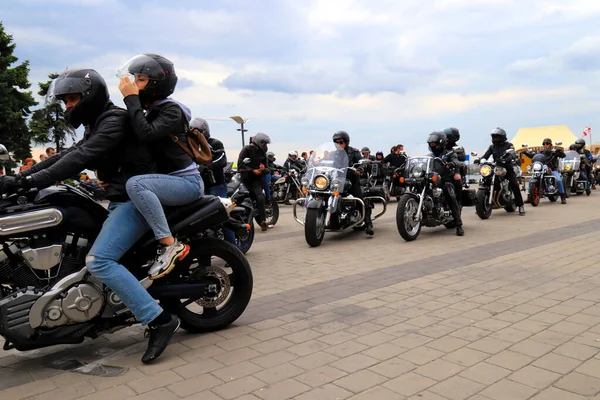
(570, 170)
(48, 297)
(423, 202)
(287, 188)
(494, 190)
(328, 205)
(542, 182)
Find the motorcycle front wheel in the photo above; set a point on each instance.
(408, 227)
(272, 211)
(314, 226)
(483, 208)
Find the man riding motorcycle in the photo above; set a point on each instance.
(498, 149)
(551, 156)
(366, 153)
(342, 139)
(452, 137)
(109, 146)
(437, 143)
(293, 162)
(586, 162)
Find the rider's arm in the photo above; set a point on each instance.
(241, 167)
(111, 131)
(219, 157)
(488, 153)
(48, 161)
(169, 120)
(560, 153)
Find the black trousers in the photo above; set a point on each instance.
(255, 187)
(450, 196)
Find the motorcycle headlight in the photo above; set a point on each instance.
(416, 171)
(485, 170)
(335, 184)
(568, 167)
(321, 182)
(537, 167)
(304, 181)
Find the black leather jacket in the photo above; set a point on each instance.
(551, 157)
(154, 128)
(498, 150)
(109, 147)
(218, 163)
(257, 156)
(293, 164)
(446, 172)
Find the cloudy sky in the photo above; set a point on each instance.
(385, 71)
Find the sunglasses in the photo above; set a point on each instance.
(339, 141)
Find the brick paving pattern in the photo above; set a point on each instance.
(509, 311)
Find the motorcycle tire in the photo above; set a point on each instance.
(314, 226)
(483, 208)
(272, 208)
(244, 242)
(450, 225)
(240, 279)
(401, 218)
(552, 198)
(534, 197)
(567, 189)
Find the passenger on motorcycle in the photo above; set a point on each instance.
(498, 149)
(551, 155)
(379, 156)
(586, 158)
(448, 174)
(109, 146)
(156, 120)
(253, 173)
(342, 139)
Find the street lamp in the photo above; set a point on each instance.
(240, 121)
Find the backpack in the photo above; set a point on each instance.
(197, 146)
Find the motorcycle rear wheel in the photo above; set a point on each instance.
(212, 259)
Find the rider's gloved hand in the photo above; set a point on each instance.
(8, 182)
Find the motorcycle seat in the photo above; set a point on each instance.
(177, 213)
(232, 187)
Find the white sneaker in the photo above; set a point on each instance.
(166, 258)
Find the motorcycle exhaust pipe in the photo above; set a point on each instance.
(182, 290)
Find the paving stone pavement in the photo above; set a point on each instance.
(509, 311)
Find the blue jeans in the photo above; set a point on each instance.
(221, 191)
(124, 226)
(559, 182)
(150, 192)
(267, 185)
(584, 175)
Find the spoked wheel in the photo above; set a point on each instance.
(406, 218)
(222, 264)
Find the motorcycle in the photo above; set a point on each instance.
(570, 169)
(48, 297)
(328, 205)
(494, 190)
(597, 171)
(542, 182)
(287, 188)
(271, 206)
(423, 202)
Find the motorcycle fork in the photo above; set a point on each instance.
(421, 200)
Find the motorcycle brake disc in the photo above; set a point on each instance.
(220, 275)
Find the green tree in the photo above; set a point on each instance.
(14, 101)
(48, 124)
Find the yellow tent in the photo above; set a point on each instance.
(533, 138)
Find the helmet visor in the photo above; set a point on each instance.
(142, 65)
(64, 85)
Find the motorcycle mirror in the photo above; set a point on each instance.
(558, 143)
(4, 154)
(524, 145)
(474, 153)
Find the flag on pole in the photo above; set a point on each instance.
(587, 130)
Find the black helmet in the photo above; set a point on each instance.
(366, 150)
(270, 155)
(580, 144)
(160, 71)
(342, 135)
(498, 135)
(261, 140)
(202, 126)
(452, 134)
(92, 88)
(437, 142)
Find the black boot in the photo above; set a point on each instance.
(158, 338)
(460, 231)
(563, 198)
